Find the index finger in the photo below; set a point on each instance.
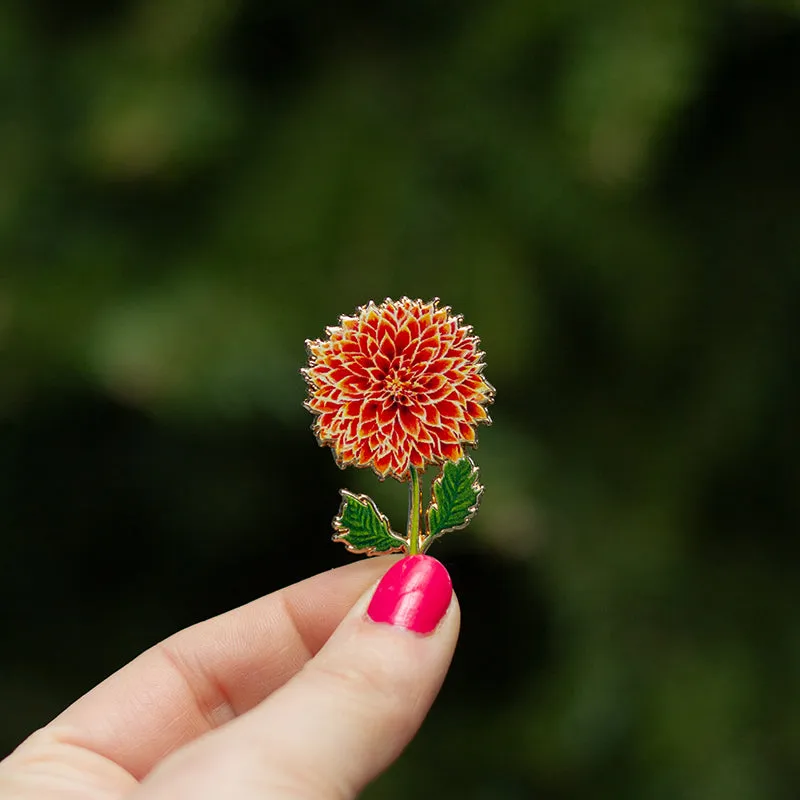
(210, 673)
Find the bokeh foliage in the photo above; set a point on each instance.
(610, 194)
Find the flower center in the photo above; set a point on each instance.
(398, 385)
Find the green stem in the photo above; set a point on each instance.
(414, 506)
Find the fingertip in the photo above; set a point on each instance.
(414, 594)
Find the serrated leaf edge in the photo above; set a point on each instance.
(342, 531)
(471, 511)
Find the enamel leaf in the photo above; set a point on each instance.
(456, 494)
(363, 528)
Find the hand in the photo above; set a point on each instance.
(309, 693)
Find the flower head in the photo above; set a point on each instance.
(398, 385)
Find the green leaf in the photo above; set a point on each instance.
(363, 528)
(456, 494)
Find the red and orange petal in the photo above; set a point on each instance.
(399, 384)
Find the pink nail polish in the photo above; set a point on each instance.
(413, 594)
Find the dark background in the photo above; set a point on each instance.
(610, 194)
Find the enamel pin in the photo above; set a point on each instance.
(399, 387)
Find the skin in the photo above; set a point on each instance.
(295, 695)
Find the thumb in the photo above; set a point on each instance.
(346, 715)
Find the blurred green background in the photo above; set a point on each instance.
(609, 193)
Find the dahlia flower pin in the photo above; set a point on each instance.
(399, 387)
